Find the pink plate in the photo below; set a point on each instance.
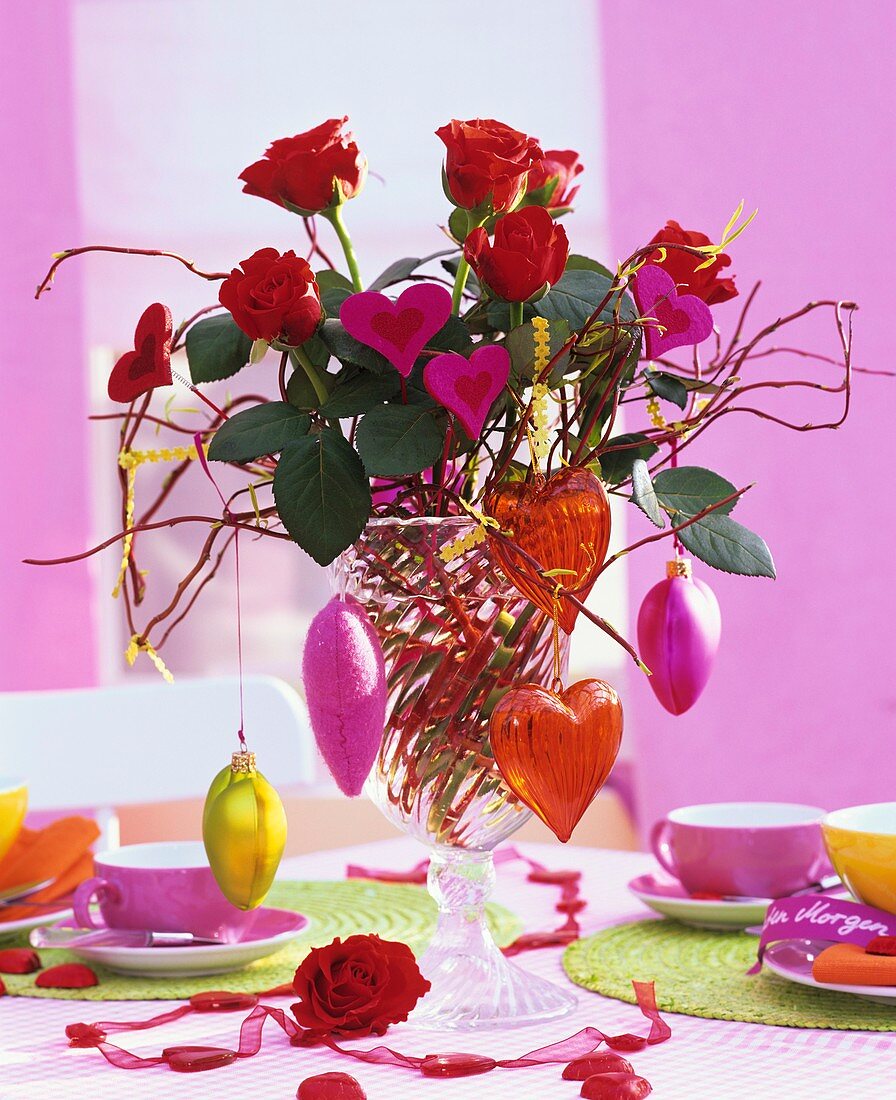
(792, 960)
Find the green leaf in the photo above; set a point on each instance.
(617, 465)
(216, 348)
(349, 350)
(299, 391)
(322, 494)
(668, 387)
(260, 430)
(394, 440)
(521, 345)
(452, 336)
(643, 493)
(689, 489)
(576, 297)
(576, 262)
(356, 392)
(398, 271)
(724, 544)
(334, 289)
(458, 225)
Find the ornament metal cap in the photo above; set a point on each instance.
(242, 761)
(679, 567)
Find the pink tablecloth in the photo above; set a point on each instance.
(704, 1060)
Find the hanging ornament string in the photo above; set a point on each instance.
(673, 463)
(228, 518)
(193, 1058)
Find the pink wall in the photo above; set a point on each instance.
(46, 635)
(786, 106)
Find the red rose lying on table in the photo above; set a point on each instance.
(357, 986)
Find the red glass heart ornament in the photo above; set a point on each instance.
(468, 387)
(84, 1035)
(583, 1068)
(197, 1059)
(149, 365)
(397, 330)
(331, 1086)
(456, 1065)
(679, 627)
(2, 988)
(221, 1000)
(616, 1086)
(563, 523)
(19, 960)
(67, 976)
(684, 319)
(626, 1042)
(555, 750)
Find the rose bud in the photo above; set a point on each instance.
(273, 297)
(357, 986)
(682, 266)
(525, 260)
(19, 960)
(310, 172)
(550, 179)
(486, 163)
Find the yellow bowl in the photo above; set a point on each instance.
(861, 842)
(13, 803)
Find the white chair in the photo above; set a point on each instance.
(148, 742)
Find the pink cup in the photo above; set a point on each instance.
(164, 887)
(743, 849)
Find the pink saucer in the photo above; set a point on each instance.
(669, 898)
(792, 960)
(265, 923)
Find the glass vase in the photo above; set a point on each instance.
(455, 635)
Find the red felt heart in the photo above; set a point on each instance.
(149, 365)
(19, 960)
(67, 976)
(682, 318)
(398, 329)
(555, 751)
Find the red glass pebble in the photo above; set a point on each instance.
(615, 1086)
(67, 976)
(583, 1068)
(555, 878)
(703, 895)
(84, 1035)
(197, 1059)
(626, 1042)
(331, 1086)
(221, 1001)
(19, 960)
(881, 945)
(456, 1065)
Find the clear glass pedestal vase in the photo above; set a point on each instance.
(456, 635)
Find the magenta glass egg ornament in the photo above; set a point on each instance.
(345, 688)
(679, 627)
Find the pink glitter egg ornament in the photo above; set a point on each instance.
(345, 687)
(679, 626)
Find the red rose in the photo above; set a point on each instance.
(273, 297)
(487, 161)
(358, 986)
(682, 266)
(306, 170)
(562, 166)
(529, 250)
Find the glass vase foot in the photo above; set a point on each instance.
(473, 984)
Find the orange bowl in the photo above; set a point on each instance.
(861, 842)
(13, 804)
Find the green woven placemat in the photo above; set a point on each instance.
(701, 973)
(393, 911)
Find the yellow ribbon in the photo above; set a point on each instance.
(141, 645)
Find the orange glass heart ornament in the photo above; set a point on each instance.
(563, 523)
(556, 749)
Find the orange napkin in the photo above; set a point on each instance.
(849, 964)
(60, 852)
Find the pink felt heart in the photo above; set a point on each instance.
(468, 387)
(399, 330)
(685, 318)
(149, 365)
